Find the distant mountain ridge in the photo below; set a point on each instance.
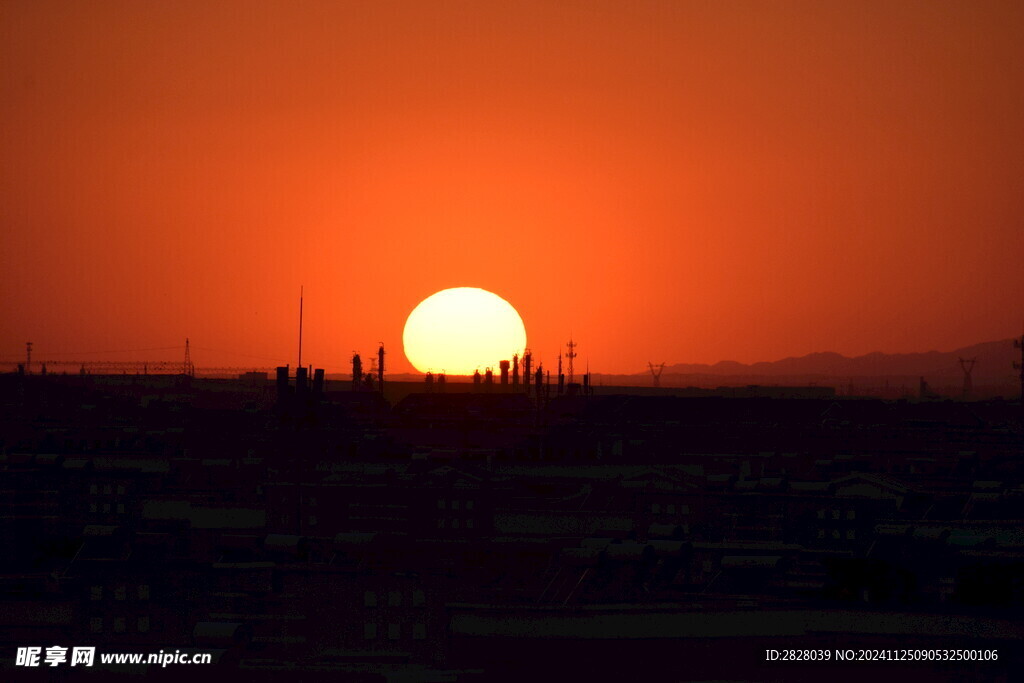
(994, 364)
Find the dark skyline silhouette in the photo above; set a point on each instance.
(291, 527)
(994, 372)
(773, 212)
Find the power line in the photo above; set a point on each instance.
(85, 353)
(236, 353)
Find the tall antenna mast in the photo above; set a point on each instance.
(300, 327)
(188, 368)
(572, 354)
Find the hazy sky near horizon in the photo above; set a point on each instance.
(671, 181)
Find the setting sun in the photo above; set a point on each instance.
(462, 329)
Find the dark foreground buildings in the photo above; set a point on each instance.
(449, 536)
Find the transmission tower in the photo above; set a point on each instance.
(656, 372)
(967, 364)
(188, 368)
(572, 354)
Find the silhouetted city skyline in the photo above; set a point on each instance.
(465, 341)
(294, 526)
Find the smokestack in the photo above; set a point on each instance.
(527, 359)
(515, 370)
(357, 372)
(380, 368)
(300, 382)
(488, 379)
(282, 383)
(503, 364)
(318, 381)
(476, 378)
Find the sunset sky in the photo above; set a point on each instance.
(667, 181)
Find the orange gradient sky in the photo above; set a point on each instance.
(677, 181)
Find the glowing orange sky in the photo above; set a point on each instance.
(679, 181)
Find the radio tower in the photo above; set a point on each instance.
(188, 369)
(967, 364)
(572, 354)
(299, 365)
(656, 372)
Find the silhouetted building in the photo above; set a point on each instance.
(475, 531)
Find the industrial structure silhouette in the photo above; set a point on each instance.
(367, 528)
